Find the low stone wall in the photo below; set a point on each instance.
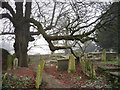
(109, 56)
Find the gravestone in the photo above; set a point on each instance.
(88, 68)
(103, 55)
(9, 62)
(15, 63)
(39, 74)
(4, 78)
(92, 70)
(71, 65)
(4, 54)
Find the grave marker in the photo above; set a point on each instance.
(15, 63)
(88, 69)
(9, 62)
(71, 64)
(104, 55)
(39, 74)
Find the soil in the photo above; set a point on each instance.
(63, 76)
(30, 71)
(24, 71)
(58, 79)
(73, 80)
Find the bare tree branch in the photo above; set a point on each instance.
(6, 15)
(8, 7)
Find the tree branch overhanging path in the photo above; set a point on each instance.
(84, 37)
(64, 16)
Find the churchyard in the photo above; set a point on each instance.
(51, 44)
(94, 70)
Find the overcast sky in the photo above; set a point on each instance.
(40, 48)
(42, 45)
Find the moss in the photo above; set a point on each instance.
(37, 77)
(9, 62)
(15, 63)
(110, 62)
(88, 69)
(39, 74)
(4, 78)
(71, 65)
(104, 55)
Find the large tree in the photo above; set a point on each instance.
(22, 34)
(108, 35)
(72, 16)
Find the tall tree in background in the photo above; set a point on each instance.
(108, 35)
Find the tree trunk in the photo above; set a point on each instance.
(22, 35)
(21, 44)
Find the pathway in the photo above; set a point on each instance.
(51, 81)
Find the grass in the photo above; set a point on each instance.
(110, 62)
(34, 61)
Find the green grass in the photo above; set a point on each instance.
(34, 61)
(110, 62)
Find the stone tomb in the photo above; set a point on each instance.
(63, 64)
(112, 72)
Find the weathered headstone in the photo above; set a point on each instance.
(39, 74)
(104, 55)
(37, 77)
(71, 64)
(9, 62)
(15, 63)
(4, 78)
(4, 57)
(92, 73)
(88, 69)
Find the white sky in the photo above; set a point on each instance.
(43, 45)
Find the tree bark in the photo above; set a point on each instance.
(22, 33)
(21, 44)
